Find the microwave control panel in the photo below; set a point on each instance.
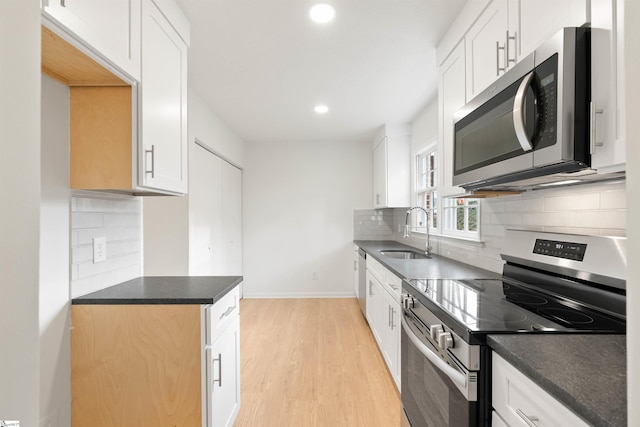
(557, 249)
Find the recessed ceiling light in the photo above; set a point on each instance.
(321, 109)
(322, 13)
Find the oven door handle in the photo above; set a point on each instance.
(457, 377)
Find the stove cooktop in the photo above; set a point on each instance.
(482, 306)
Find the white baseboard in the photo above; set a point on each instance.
(298, 295)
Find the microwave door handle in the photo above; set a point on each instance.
(518, 113)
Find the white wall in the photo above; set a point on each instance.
(632, 58)
(209, 129)
(298, 204)
(55, 337)
(19, 210)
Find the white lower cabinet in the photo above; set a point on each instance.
(518, 401)
(383, 313)
(221, 390)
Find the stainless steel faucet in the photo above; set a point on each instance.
(428, 247)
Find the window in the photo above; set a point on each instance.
(462, 217)
(426, 189)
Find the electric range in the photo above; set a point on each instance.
(552, 283)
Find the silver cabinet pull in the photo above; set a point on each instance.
(228, 312)
(592, 127)
(370, 288)
(529, 420)
(515, 44)
(219, 360)
(498, 67)
(393, 313)
(153, 161)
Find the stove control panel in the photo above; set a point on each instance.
(558, 249)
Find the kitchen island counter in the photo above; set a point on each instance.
(164, 290)
(586, 373)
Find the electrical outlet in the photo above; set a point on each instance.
(99, 249)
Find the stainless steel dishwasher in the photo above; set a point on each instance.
(362, 281)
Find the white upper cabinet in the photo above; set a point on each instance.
(163, 103)
(111, 27)
(608, 150)
(392, 167)
(490, 46)
(541, 19)
(451, 97)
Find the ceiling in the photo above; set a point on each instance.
(262, 65)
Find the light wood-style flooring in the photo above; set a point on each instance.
(312, 362)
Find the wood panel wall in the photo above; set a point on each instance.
(136, 365)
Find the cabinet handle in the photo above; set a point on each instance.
(355, 265)
(63, 3)
(393, 313)
(370, 288)
(153, 161)
(592, 128)
(228, 312)
(389, 316)
(219, 360)
(498, 67)
(530, 421)
(377, 199)
(515, 44)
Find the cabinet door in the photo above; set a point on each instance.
(485, 45)
(231, 264)
(375, 308)
(391, 347)
(224, 377)
(451, 97)
(110, 27)
(607, 86)
(163, 162)
(541, 19)
(380, 174)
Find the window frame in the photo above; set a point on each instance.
(430, 189)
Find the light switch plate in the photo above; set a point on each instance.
(99, 249)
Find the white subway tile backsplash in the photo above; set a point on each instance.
(613, 199)
(119, 220)
(598, 209)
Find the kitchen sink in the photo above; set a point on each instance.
(404, 254)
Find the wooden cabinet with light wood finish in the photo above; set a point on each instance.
(136, 365)
(127, 135)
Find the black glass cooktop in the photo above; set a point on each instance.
(501, 306)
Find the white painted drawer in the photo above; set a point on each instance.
(222, 313)
(515, 397)
(393, 284)
(375, 268)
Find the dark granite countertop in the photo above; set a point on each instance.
(587, 373)
(437, 267)
(164, 290)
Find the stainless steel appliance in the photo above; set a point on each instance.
(362, 281)
(532, 125)
(552, 283)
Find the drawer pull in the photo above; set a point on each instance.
(529, 420)
(228, 312)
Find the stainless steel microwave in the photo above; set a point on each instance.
(532, 123)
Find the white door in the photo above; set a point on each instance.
(224, 377)
(205, 212)
(451, 97)
(163, 88)
(485, 45)
(231, 263)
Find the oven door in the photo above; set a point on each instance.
(434, 393)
